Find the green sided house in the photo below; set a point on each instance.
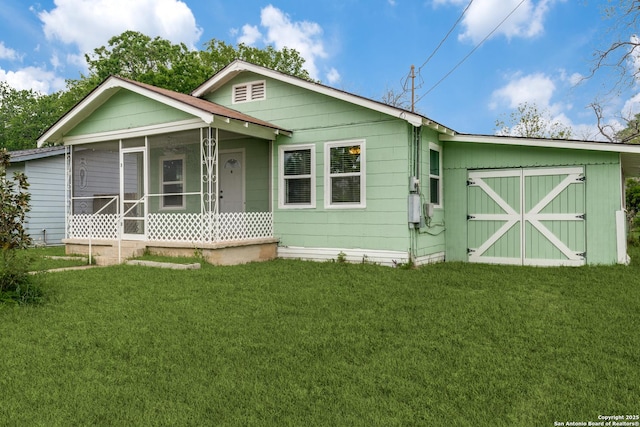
(256, 164)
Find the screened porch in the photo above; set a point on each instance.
(201, 185)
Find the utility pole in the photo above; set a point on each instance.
(413, 88)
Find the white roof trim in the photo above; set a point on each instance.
(238, 66)
(548, 143)
(134, 132)
(101, 94)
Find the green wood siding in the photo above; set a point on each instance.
(602, 192)
(317, 119)
(126, 110)
(429, 239)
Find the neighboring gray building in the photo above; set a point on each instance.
(44, 168)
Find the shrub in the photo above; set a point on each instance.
(15, 281)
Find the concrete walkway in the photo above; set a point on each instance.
(173, 266)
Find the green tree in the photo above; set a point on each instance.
(161, 63)
(630, 134)
(24, 114)
(138, 57)
(531, 122)
(632, 198)
(218, 54)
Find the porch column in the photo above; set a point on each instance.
(209, 185)
(68, 189)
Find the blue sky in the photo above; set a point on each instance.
(367, 47)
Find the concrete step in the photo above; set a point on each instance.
(103, 260)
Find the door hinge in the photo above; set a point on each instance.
(470, 217)
(470, 182)
(582, 254)
(470, 251)
(582, 178)
(582, 216)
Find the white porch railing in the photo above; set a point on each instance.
(179, 227)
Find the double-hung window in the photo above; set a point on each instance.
(172, 182)
(297, 176)
(344, 174)
(435, 175)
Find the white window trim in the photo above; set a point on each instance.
(281, 177)
(163, 182)
(249, 87)
(362, 174)
(436, 147)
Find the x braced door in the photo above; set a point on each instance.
(527, 216)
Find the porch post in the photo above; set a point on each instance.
(68, 189)
(209, 185)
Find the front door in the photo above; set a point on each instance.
(231, 189)
(132, 192)
(527, 216)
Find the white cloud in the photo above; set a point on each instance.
(39, 80)
(631, 106)
(281, 31)
(250, 35)
(392, 2)
(333, 76)
(484, 15)
(7, 53)
(533, 88)
(576, 78)
(89, 24)
(540, 89)
(55, 61)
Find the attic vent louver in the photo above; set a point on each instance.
(246, 92)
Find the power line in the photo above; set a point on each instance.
(447, 36)
(405, 80)
(471, 52)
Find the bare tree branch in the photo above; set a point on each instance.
(606, 130)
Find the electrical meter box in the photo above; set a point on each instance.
(413, 208)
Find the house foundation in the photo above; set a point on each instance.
(109, 252)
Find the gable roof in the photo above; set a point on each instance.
(205, 110)
(238, 66)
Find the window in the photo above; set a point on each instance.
(344, 164)
(172, 181)
(435, 175)
(254, 91)
(297, 172)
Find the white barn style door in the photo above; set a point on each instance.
(527, 216)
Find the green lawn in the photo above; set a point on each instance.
(50, 257)
(292, 343)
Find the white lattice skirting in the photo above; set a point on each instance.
(86, 226)
(180, 227)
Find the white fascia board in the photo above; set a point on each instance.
(236, 67)
(134, 132)
(547, 143)
(102, 93)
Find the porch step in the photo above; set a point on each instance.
(103, 260)
(171, 265)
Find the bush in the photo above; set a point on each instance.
(15, 281)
